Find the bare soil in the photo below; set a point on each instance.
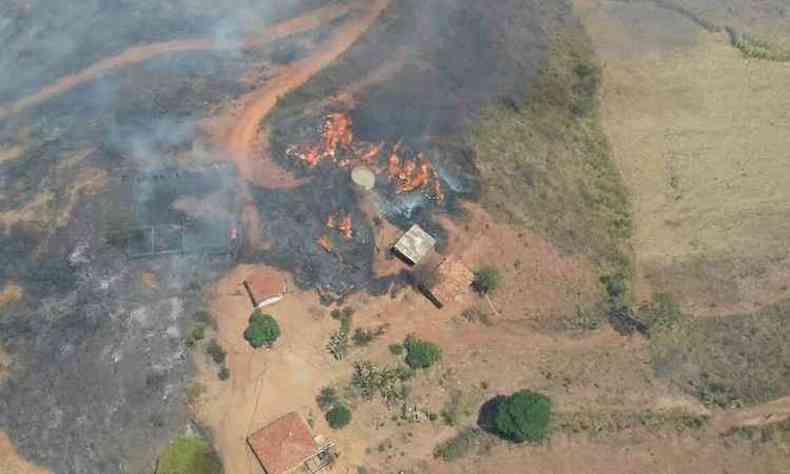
(12, 463)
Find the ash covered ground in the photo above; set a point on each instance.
(99, 365)
(420, 114)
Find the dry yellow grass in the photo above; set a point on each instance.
(11, 153)
(11, 292)
(699, 134)
(47, 212)
(5, 364)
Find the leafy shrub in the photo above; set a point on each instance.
(224, 373)
(661, 313)
(203, 316)
(524, 416)
(198, 333)
(421, 354)
(263, 330)
(396, 349)
(195, 391)
(369, 380)
(487, 280)
(616, 288)
(363, 337)
(216, 351)
(326, 399)
(338, 417)
(189, 455)
(458, 446)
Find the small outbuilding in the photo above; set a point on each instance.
(414, 245)
(284, 445)
(265, 287)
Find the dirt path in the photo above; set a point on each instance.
(242, 140)
(775, 411)
(139, 54)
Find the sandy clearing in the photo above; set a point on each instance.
(12, 463)
(264, 383)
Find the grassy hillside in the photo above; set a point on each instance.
(545, 163)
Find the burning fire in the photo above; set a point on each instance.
(326, 243)
(341, 224)
(337, 133)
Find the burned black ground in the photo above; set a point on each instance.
(450, 73)
(99, 363)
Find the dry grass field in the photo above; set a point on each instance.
(699, 134)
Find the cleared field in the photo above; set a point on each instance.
(699, 134)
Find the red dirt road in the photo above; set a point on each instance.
(138, 54)
(241, 141)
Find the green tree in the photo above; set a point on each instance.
(263, 330)
(487, 280)
(421, 354)
(524, 416)
(339, 416)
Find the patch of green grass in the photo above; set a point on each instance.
(215, 350)
(461, 445)
(421, 354)
(546, 164)
(728, 361)
(758, 48)
(661, 313)
(774, 432)
(189, 455)
(605, 423)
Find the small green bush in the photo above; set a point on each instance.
(487, 280)
(199, 333)
(396, 349)
(524, 416)
(203, 316)
(458, 446)
(661, 313)
(421, 354)
(216, 351)
(263, 330)
(326, 399)
(224, 373)
(338, 417)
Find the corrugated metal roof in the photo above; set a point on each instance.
(415, 244)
